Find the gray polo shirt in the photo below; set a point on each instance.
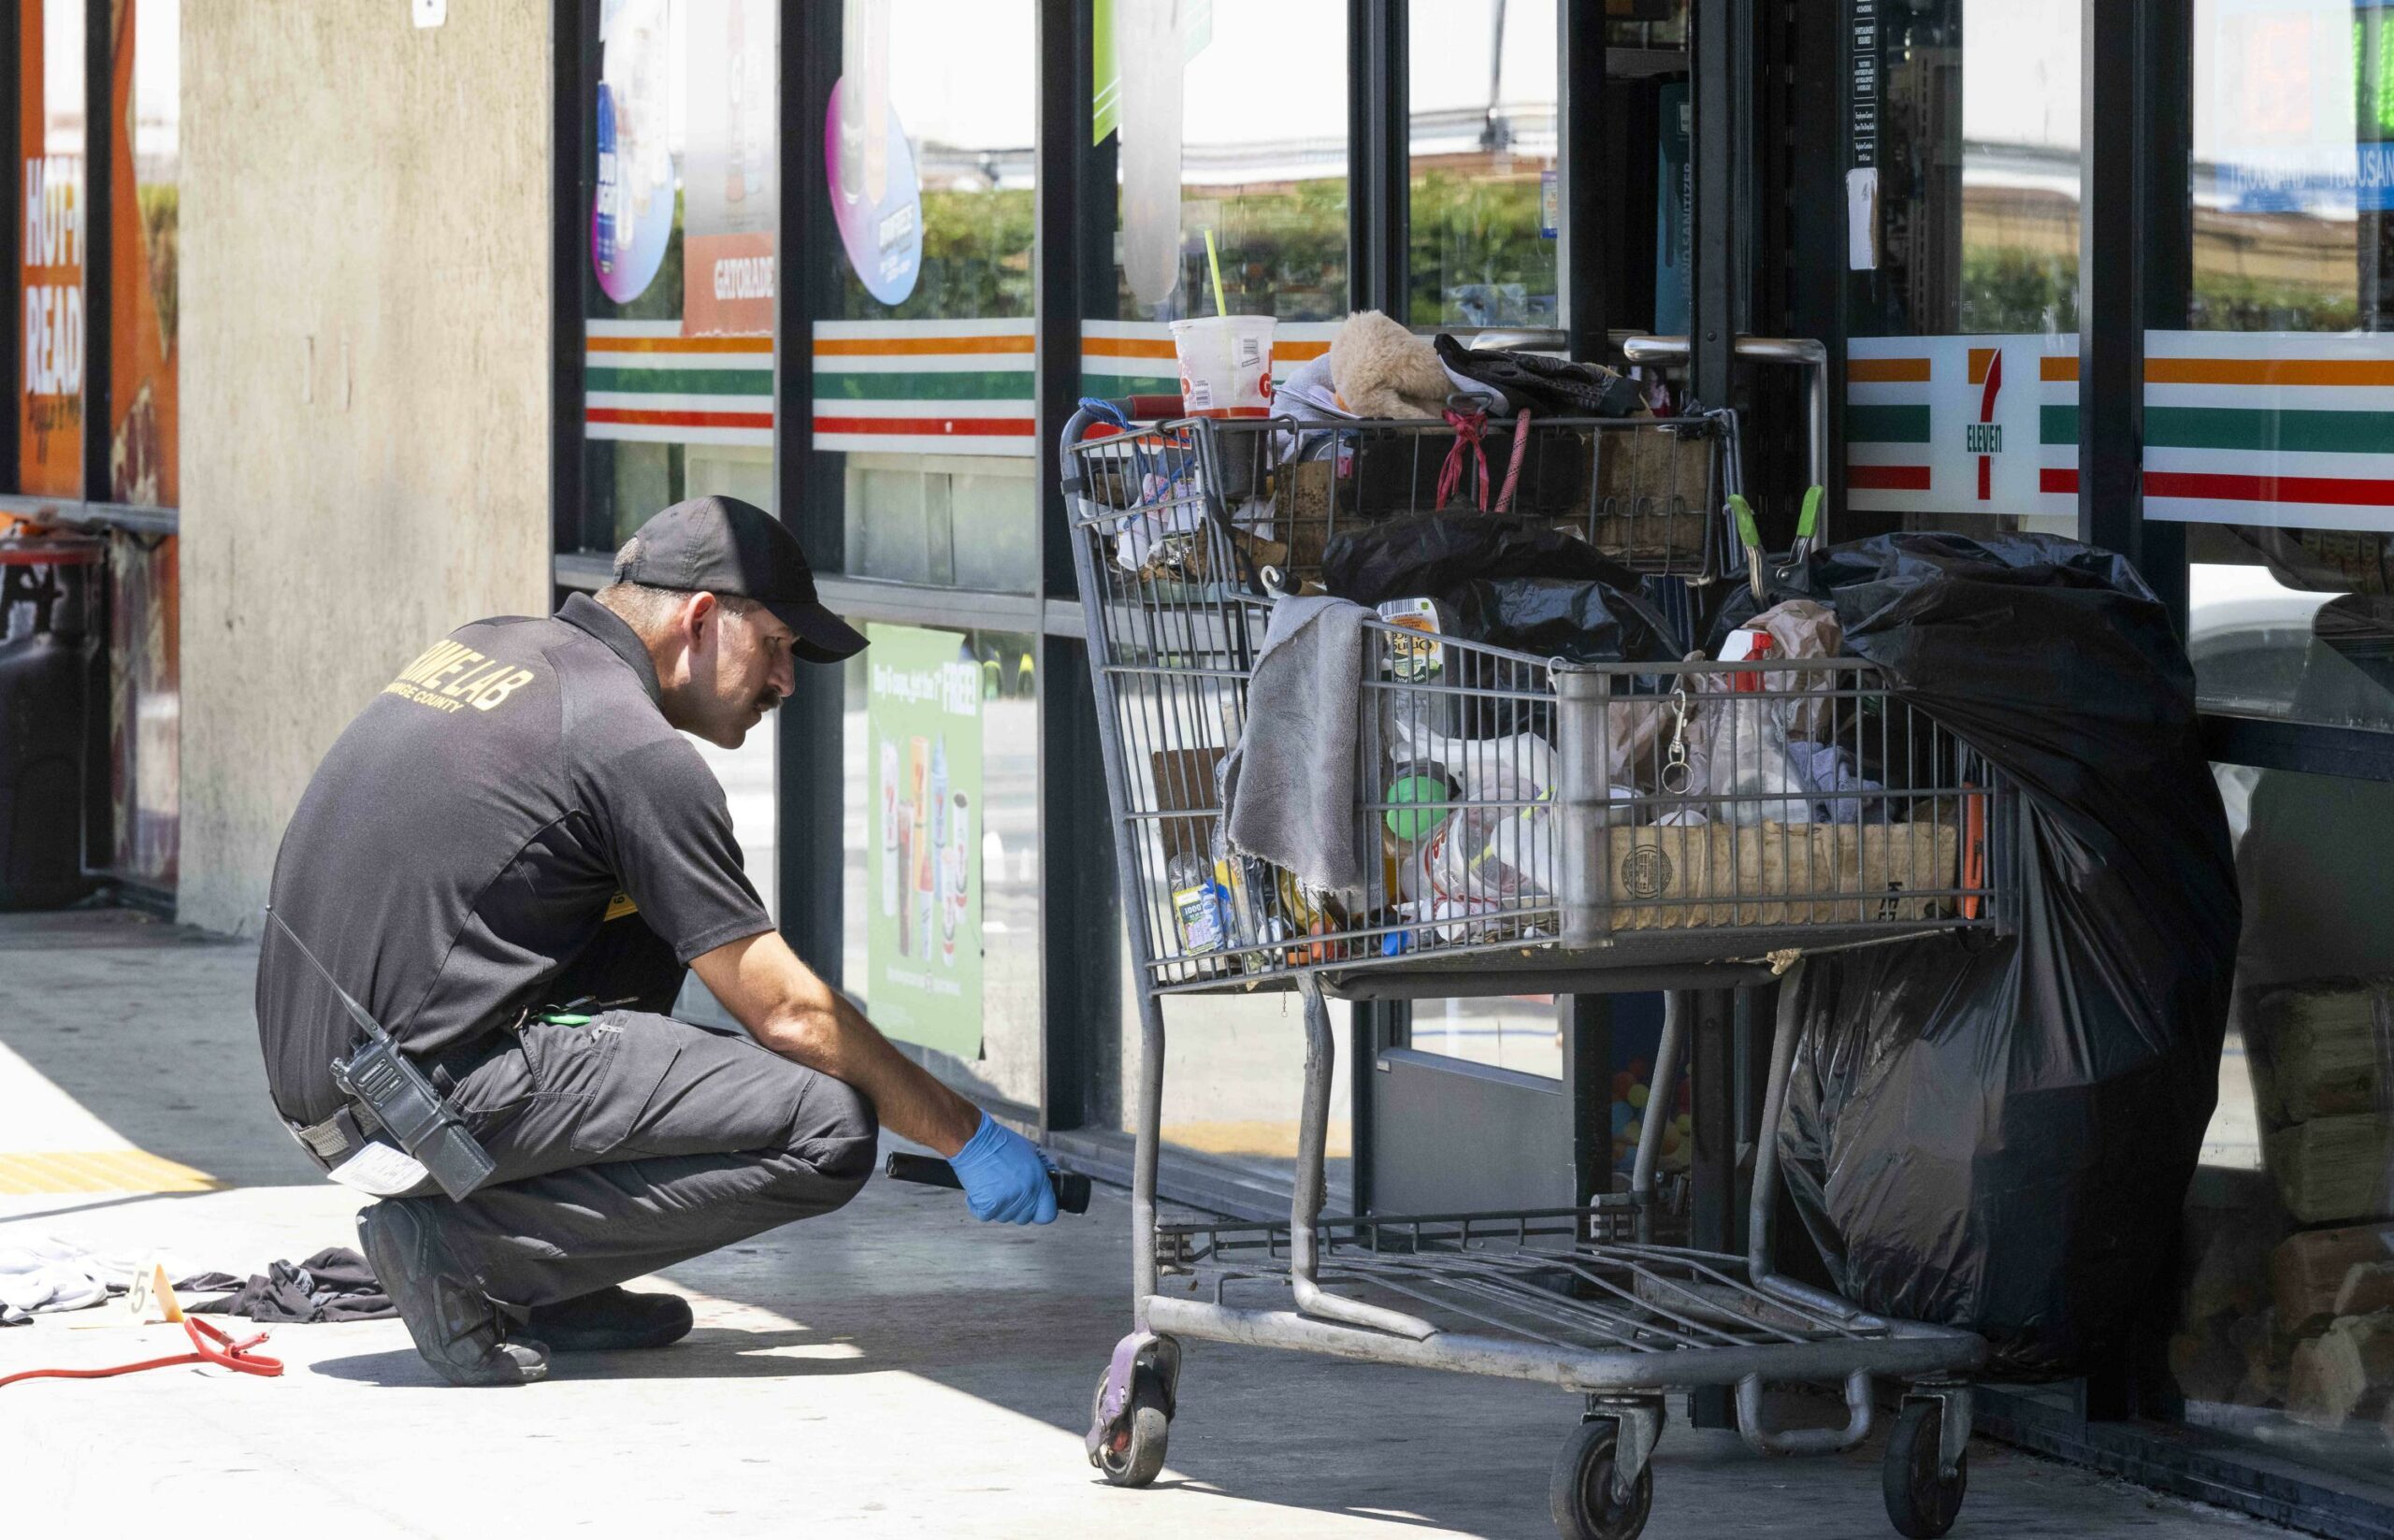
(513, 799)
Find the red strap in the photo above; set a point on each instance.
(208, 1346)
(1467, 427)
(1513, 471)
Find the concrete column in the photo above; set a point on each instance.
(364, 383)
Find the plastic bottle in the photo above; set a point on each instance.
(890, 862)
(907, 904)
(923, 860)
(1422, 788)
(939, 792)
(956, 854)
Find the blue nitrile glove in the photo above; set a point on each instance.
(1005, 1180)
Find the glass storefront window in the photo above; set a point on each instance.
(941, 880)
(2265, 419)
(679, 354)
(1234, 1079)
(51, 129)
(2288, 1224)
(1962, 300)
(922, 372)
(2265, 436)
(943, 107)
(1482, 84)
(144, 221)
(1230, 118)
(1505, 1034)
(678, 303)
(145, 645)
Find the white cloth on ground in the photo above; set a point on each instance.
(43, 1273)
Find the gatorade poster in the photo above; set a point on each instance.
(923, 838)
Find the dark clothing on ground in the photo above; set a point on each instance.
(513, 825)
(513, 794)
(334, 1285)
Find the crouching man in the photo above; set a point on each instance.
(508, 858)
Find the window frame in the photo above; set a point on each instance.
(84, 511)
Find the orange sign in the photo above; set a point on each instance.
(50, 421)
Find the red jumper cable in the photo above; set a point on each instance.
(208, 1345)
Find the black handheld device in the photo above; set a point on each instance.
(400, 1096)
(1072, 1187)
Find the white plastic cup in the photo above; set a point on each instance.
(1225, 366)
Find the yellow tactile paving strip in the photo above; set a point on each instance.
(98, 1171)
(1252, 1137)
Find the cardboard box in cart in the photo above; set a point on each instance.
(1677, 877)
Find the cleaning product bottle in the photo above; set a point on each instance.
(1421, 793)
(1197, 903)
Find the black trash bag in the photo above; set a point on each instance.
(1433, 555)
(1510, 583)
(1730, 604)
(2000, 1137)
(1575, 619)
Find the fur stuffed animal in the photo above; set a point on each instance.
(1381, 369)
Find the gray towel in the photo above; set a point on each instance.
(1289, 784)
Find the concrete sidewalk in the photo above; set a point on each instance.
(894, 1369)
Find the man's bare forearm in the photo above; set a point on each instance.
(795, 1013)
(841, 1044)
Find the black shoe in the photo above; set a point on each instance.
(456, 1327)
(611, 1320)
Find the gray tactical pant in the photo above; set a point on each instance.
(638, 1142)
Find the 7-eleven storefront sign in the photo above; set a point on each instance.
(2294, 429)
(1958, 425)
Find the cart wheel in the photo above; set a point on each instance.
(1132, 1451)
(1585, 1493)
(1921, 1503)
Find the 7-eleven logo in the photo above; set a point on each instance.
(1984, 438)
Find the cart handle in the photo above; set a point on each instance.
(1138, 409)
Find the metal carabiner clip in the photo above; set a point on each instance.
(1676, 774)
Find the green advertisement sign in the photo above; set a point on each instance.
(923, 838)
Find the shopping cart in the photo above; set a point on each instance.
(1526, 826)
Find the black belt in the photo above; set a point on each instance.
(352, 1123)
(331, 1140)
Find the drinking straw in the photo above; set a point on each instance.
(1214, 265)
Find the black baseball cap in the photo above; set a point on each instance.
(721, 545)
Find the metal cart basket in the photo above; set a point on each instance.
(1525, 824)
